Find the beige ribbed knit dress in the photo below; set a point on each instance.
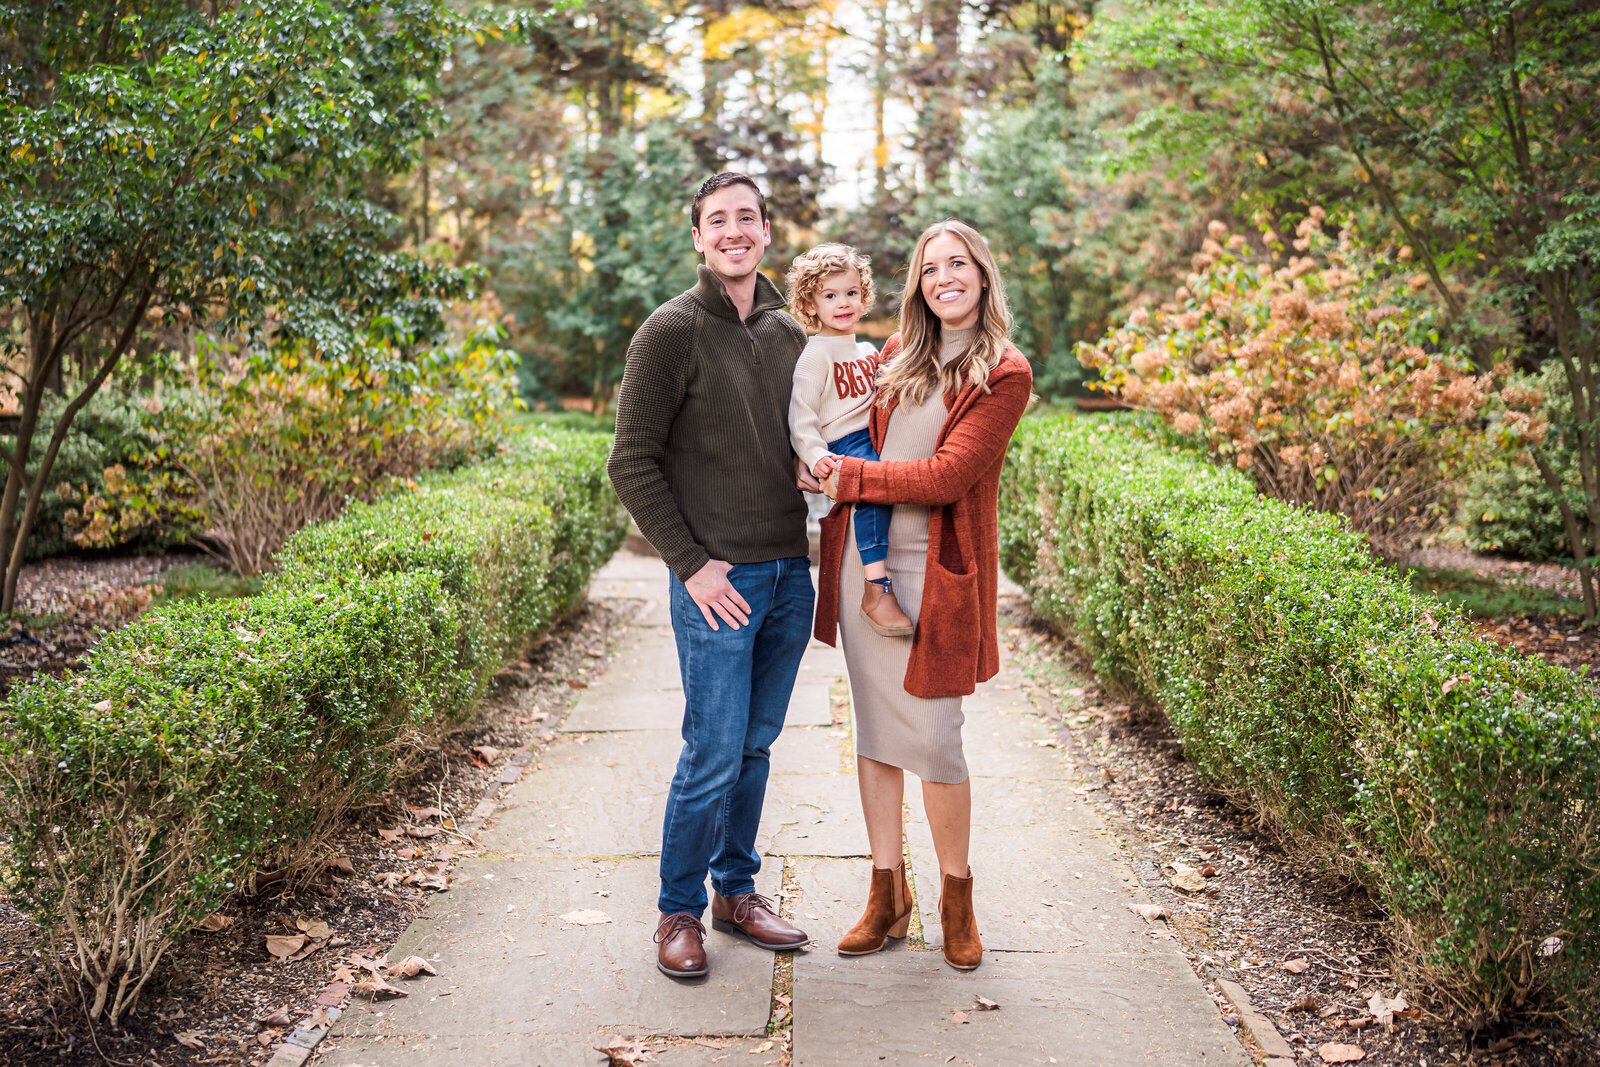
(892, 726)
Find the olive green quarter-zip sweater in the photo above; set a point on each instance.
(702, 459)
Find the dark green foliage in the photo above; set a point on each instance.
(214, 739)
(1507, 505)
(1457, 780)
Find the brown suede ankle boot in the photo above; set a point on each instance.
(888, 913)
(962, 949)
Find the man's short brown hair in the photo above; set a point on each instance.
(722, 181)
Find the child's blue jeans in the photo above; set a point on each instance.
(872, 520)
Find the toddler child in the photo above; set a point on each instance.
(830, 288)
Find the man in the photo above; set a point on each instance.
(703, 464)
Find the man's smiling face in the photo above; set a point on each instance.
(731, 233)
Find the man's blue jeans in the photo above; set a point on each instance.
(736, 688)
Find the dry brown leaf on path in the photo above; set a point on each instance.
(1337, 1052)
(313, 928)
(282, 946)
(1298, 965)
(486, 753)
(189, 1039)
(624, 1053)
(983, 1003)
(423, 831)
(390, 836)
(1383, 1008)
(279, 1018)
(370, 965)
(214, 922)
(958, 1016)
(434, 876)
(585, 917)
(428, 813)
(1306, 1003)
(410, 967)
(577, 684)
(1190, 881)
(1150, 912)
(375, 986)
(342, 864)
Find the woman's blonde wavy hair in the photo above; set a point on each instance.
(913, 373)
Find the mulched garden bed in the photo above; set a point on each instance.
(215, 986)
(1263, 907)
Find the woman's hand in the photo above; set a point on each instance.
(830, 484)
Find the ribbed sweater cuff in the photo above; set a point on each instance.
(687, 563)
(850, 471)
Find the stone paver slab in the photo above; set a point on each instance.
(1040, 890)
(896, 1007)
(512, 966)
(603, 797)
(812, 815)
(809, 750)
(808, 705)
(1007, 801)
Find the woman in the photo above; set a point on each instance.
(951, 390)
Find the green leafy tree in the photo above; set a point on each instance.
(1468, 130)
(171, 166)
(615, 248)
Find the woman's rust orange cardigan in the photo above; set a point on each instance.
(954, 647)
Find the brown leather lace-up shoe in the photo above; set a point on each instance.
(682, 951)
(753, 915)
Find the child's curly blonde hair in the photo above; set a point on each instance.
(808, 271)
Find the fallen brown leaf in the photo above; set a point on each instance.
(487, 753)
(1336, 1052)
(577, 684)
(434, 876)
(315, 929)
(1150, 912)
(958, 1017)
(376, 986)
(429, 813)
(390, 836)
(983, 1003)
(1189, 881)
(279, 1018)
(342, 864)
(1298, 965)
(1305, 1003)
(410, 967)
(423, 831)
(282, 946)
(214, 922)
(623, 1053)
(1383, 1008)
(189, 1039)
(1208, 871)
(585, 917)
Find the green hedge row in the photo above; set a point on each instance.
(1460, 782)
(211, 741)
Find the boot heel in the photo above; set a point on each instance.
(901, 928)
(725, 926)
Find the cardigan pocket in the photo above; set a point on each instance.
(944, 655)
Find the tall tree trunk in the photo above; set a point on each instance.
(940, 133)
(35, 486)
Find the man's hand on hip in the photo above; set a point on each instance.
(716, 597)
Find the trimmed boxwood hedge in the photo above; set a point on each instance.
(1459, 781)
(210, 741)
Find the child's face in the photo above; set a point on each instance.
(839, 303)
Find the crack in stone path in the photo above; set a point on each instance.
(1078, 977)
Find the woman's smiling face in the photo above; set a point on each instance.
(951, 283)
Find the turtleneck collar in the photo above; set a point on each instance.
(954, 342)
(711, 294)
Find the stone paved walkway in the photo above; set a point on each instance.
(1079, 978)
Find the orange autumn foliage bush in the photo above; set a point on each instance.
(1320, 373)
